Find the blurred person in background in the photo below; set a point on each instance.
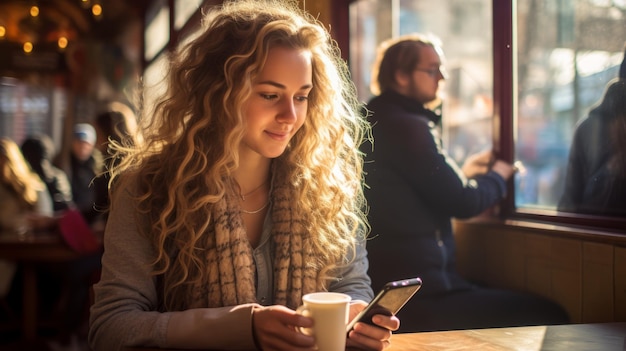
(39, 151)
(85, 165)
(24, 201)
(595, 181)
(25, 206)
(63, 286)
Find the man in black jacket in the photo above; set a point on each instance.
(414, 190)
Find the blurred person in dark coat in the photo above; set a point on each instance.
(595, 181)
(86, 164)
(39, 151)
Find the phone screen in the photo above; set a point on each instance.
(389, 300)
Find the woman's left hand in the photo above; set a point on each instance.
(369, 337)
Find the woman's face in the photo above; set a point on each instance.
(278, 104)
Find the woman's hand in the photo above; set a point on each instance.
(275, 328)
(368, 337)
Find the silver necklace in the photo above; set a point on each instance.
(259, 210)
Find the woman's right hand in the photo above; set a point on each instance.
(369, 337)
(275, 328)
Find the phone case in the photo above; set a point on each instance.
(391, 298)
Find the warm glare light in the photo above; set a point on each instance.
(34, 11)
(96, 10)
(62, 42)
(3, 32)
(85, 3)
(28, 47)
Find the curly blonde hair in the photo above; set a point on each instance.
(16, 174)
(189, 146)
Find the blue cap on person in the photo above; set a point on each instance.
(85, 132)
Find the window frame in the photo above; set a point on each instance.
(504, 47)
(504, 97)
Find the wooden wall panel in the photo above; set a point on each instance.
(513, 260)
(493, 251)
(539, 265)
(468, 253)
(582, 271)
(567, 280)
(598, 285)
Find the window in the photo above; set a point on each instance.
(26, 109)
(521, 89)
(154, 82)
(464, 28)
(154, 75)
(183, 10)
(157, 32)
(566, 53)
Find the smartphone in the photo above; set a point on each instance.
(389, 300)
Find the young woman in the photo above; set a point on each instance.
(244, 194)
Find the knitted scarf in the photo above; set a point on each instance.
(231, 276)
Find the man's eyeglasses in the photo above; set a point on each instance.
(432, 72)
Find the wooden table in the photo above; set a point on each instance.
(571, 337)
(31, 250)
